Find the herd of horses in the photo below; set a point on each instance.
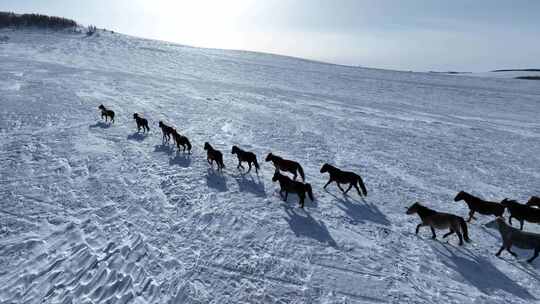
(287, 184)
(529, 212)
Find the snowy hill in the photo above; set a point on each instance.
(92, 213)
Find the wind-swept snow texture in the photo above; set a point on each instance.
(96, 213)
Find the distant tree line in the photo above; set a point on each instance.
(9, 19)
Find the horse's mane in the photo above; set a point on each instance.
(425, 210)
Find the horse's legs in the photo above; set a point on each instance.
(329, 181)
(286, 195)
(302, 197)
(471, 216)
(418, 227)
(521, 224)
(294, 177)
(357, 189)
(500, 251)
(449, 233)
(510, 220)
(249, 164)
(350, 186)
(511, 252)
(460, 237)
(536, 250)
(339, 186)
(433, 236)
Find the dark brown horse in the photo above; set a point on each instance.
(521, 212)
(181, 141)
(245, 156)
(534, 201)
(286, 165)
(214, 155)
(440, 220)
(288, 185)
(106, 113)
(478, 205)
(344, 177)
(141, 123)
(167, 131)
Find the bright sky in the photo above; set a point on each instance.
(420, 35)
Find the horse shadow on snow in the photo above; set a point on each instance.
(360, 211)
(247, 183)
(100, 124)
(478, 271)
(167, 149)
(180, 159)
(216, 180)
(303, 224)
(137, 136)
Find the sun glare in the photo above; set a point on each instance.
(203, 23)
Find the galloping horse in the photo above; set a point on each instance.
(141, 123)
(214, 155)
(245, 156)
(287, 185)
(478, 205)
(286, 165)
(344, 177)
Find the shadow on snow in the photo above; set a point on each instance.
(303, 224)
(360, 211)
(246, 183)
(478, 271)
(216, 180)
(100, 124)
(137, 136)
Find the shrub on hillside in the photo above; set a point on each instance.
(9, 19)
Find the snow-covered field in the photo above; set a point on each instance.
(92, 213)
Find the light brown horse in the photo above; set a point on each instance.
(286, 165)
(514, 237)
(440, 220)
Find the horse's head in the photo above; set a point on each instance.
(135, 115)
(325, 168)
(269, 157)
(234, 150)
(460, 196)
(207, 146)
(276, 176)
(160, 124)
(101, 107)
(413, 208)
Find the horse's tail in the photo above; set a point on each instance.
(301, 171)
(188, 144)
(362, 186)
(464, 229)
(310, 191)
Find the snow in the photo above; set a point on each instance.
(95, 213)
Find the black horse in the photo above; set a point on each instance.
(106, 113)
(245, 156)
(181, 141)
(214, 155)
(287, 185)
(521, 212)
(344, 177)
(167, 131)
(478, 205)
(141, 123)
(286, 165)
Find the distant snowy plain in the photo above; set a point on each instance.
(96, 213)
